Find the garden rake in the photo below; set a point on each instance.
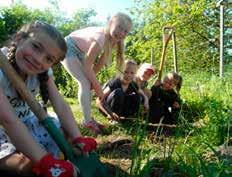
(88, 166)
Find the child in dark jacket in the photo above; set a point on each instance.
(121, 94)
(165, 101)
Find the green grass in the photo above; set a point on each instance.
(192, 148)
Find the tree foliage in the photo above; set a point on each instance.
(197, 32)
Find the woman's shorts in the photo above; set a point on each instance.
(73, 50)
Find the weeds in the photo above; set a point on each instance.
(197, 146)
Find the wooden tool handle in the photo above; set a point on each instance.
(21, 87)
(166, 39)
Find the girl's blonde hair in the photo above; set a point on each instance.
(129, 62)
(175, 78)
(120, 45)
(123, 67)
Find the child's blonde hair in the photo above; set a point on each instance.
(129, 62)
(126, 63)
(120, 45)
(175, 78)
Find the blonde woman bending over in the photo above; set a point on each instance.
(84, 47)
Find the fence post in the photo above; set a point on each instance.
(220, 3)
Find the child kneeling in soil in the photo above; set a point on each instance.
(165, 101)
(121, 94)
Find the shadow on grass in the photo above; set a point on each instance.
(119, 148)
(116, 171)
(161, 168)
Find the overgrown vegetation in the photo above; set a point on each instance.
(197, 31)
(200, 144)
